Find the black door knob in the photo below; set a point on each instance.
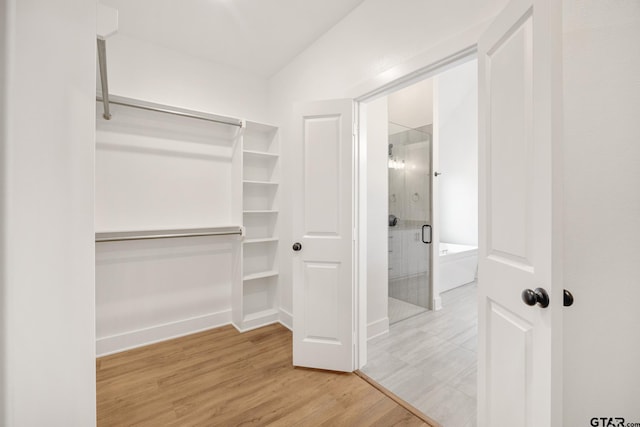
(297, 246)
(539, 296)
(568, 298)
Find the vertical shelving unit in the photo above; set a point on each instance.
(255, 300)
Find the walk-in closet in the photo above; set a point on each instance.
(336, 212)
(186, 222)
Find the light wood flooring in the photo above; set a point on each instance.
(430, 360)
(223, 378)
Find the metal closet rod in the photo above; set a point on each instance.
(120, 236)
(107, 100)
(168, 110)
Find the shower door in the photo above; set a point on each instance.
(409, 166)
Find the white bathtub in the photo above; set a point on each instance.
(458, 265)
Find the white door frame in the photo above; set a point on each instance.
(434, 61)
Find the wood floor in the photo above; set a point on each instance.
(223, 378)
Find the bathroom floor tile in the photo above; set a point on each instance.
(430, 359)
(400, 310)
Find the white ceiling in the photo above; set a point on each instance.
(258, 36)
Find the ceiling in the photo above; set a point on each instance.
(257, 36)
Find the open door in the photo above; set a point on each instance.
(519, 339)
(323, 270)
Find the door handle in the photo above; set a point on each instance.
(430, 234)
(539, 296)
(567, 299)
(296, 246)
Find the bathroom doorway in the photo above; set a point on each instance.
(427, 355)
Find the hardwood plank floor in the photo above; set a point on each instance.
(223, 378)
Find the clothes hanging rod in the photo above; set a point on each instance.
(143, 105)
(120, 236)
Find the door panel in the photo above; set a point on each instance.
(509, 351)
(323, 285)
(322, 175)
(519, 346)
(321, 302)
(508, 66)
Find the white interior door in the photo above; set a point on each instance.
(519, 372)
(323, 284)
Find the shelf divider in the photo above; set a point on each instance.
(249, 181)
(260, 153)
(260, 240)
(260, 275)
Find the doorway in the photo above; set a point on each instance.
(428, 356)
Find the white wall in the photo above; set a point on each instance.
(412, 106)
(149, 291)
(602, 210)
(457, 104)
(375, 37)
(47, 168)
(377, 218)
(155, 171)
(143, 70)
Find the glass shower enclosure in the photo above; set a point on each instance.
(410, 232)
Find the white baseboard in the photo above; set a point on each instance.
(377, 328)
(141, 337)
(286, 319)
(257, 320)
(437, 303)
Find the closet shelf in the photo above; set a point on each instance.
(262, 240)
(260, 275)
(246, 181)
(260, 154)
(261, 314)
(260, 212)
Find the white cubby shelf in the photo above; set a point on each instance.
(256, 285)
(260, 275)
(260, 240)
(260, 182)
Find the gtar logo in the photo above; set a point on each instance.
(607, 422)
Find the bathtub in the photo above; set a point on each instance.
(458, 265)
